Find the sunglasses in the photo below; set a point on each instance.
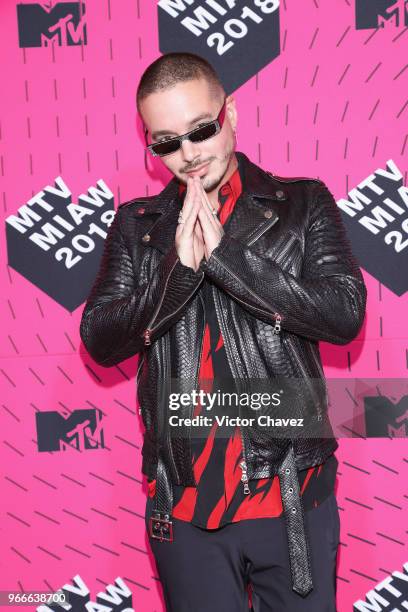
(165, 147)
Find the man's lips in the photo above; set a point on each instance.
(198, 170)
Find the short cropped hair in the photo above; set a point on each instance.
(172, 68)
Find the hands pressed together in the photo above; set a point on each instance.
(200, 231)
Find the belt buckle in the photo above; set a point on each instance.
(161, 527)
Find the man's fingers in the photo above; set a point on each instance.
(190, 194)
(198, 229)
(206, 225)
(207, 206)
(188, 211)
(190, 217)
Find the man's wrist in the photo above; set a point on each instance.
(217, 250)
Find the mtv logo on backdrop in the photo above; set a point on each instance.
(381, 13)
(389, 595)
(116, 597)
(237, 38)
(43, 23)
(57, 244)
(82, 430)
(376, 217)
(384, 418)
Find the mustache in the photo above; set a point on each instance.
(196, 166)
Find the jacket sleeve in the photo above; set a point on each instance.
(120, 306)
(326, 303)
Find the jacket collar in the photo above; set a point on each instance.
(254, 212)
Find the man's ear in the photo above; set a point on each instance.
(232, 111)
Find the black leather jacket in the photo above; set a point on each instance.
(284, 278)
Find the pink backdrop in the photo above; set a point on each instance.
(333, 104)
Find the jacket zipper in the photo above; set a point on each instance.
(286, 249)
(244, 477)
(243, 463)
(278, 317)
(262, 230)
(166, 379)
(319, 367)
(198, 367)
(139, 367)
(149, 330)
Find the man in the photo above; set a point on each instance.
(230, 273)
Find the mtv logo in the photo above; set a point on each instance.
(43, 23)
(57, 244)
(381, 13)
(389, 594)
(384, 418)
(375, 217)
(82, 430)
(237, 40)
(377, 258)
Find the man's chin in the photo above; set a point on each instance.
(210, 183)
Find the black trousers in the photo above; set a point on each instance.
(210, 570)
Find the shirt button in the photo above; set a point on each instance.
(146, 238)
(280, 194)
(268, 214)
(141, 211)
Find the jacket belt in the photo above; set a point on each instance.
(161, 525)
(299, 551)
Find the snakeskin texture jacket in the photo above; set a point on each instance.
(284, 278)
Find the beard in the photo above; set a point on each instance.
(210, 183)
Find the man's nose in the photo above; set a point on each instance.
(189, 150)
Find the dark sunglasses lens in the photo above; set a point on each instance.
(200, 134)
(164, 148)
(203, 133)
